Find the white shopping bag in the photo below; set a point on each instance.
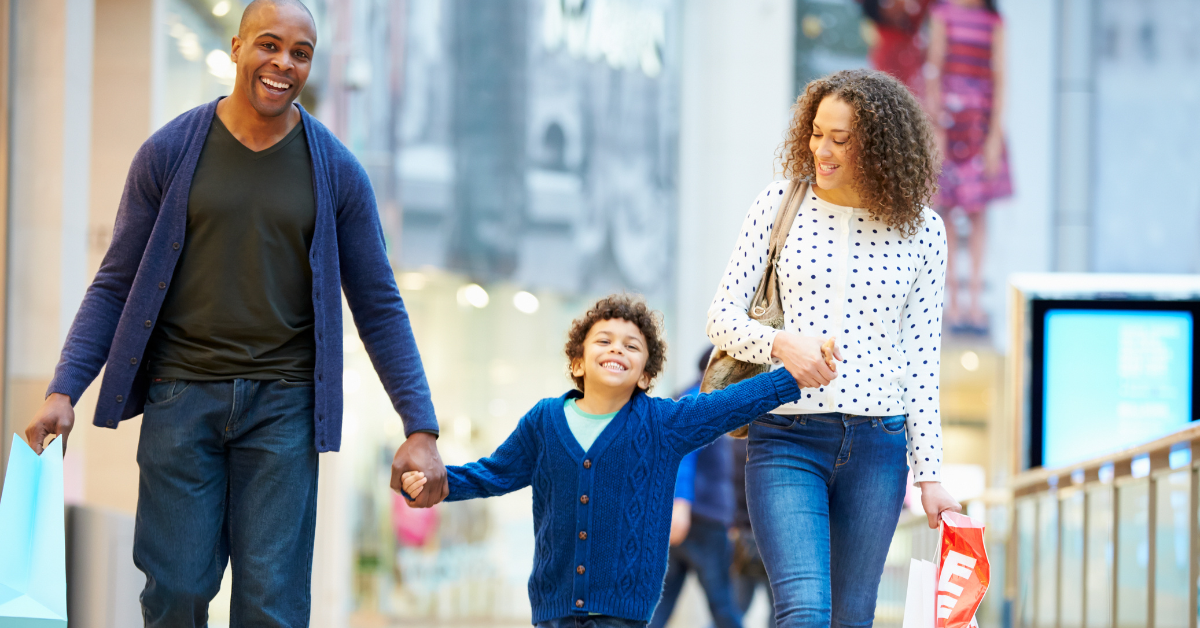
(919, 602)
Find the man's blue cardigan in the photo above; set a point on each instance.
(602, 518)
(121, 306)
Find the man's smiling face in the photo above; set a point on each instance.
(273, 52)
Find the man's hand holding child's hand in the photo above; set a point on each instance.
(413, 482)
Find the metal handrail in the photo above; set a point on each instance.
(1159, 451)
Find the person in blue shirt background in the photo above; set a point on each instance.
(700, 521)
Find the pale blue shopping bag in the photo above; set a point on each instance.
(33, 555)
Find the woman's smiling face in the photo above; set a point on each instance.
(830, 146)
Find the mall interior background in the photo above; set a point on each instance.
(529, 156)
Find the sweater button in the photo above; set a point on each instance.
(578, 603)
(583, 500)
(120, 398)
(133, 360)
(162, 285)
(109, 422)
(579, 570)
(582, 536)
(587, 464)
(175, 246)
(147, 324)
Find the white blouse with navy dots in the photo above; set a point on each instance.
(845, 274)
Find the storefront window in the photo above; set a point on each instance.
(196, 64)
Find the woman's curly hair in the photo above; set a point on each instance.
(891, 145)
(628, 307)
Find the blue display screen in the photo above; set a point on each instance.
(1113, 379)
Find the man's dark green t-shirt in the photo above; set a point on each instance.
(240, 303)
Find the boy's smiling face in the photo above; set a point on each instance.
(614, 357)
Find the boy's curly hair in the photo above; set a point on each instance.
(628, 307)
(896, 165)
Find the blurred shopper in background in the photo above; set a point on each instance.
(700, 524)
(218, 310)
(865, 264)
(900, 48)
(748, 572)
(965, 88)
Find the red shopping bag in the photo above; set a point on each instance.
(963, 571)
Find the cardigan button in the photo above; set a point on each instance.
(578, 603)
(582, 535)
(120, 398)
(133, 360)
(583, 500)
(587, 464)
(175, 246)
(148, 324)
(162, 285)
(579, 570)
(109, 422)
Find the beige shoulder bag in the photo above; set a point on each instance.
(766, 306)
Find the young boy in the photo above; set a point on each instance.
(602, 460)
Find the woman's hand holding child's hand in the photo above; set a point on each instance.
(811, 361)
(413, 482)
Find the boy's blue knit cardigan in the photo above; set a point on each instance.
(602, 518)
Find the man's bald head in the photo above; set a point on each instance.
(255, 9)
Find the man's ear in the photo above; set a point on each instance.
(234, 46)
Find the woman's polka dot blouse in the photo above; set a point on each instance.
(846, 275)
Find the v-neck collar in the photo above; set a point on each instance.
(559, 418)
(218, 126)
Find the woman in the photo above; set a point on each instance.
(965, 91)
(864, 263)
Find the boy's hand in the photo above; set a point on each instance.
(413, 482)
(681, 521)
(830, 351)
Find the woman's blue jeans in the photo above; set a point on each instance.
(228, 471)
(824, 493)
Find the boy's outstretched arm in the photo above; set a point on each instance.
(698, 420)
(508, 469)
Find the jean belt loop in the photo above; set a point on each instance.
(803, 420)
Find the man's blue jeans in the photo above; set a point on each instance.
(706, 550)
(824, 493)
(228, 471)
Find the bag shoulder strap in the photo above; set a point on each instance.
(768, 286)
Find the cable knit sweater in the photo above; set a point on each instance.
(845, 274)
(602, 518)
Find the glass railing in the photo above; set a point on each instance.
(1110, 542)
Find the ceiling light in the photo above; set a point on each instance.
(525, 302)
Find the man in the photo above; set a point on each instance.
(218, 309)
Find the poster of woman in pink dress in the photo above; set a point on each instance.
(965, 91)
